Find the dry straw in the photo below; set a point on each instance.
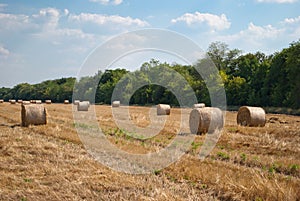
(33, 101)
(116, 104)
(163, 109)
(20, 101)
(66, 102)
(83, 106)
(199, 105)
(203, 120)
(38, 102)
(251, 116)
(76, 102)
(48, 101)
(33, 115)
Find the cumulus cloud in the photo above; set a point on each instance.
(291, 20)
(215, 22)
(108, 19)
(107, 2)
(277, 1)
(14, 22)
(49, 17)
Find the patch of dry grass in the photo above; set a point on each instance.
(49, 162)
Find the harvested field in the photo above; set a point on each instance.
(49, 162)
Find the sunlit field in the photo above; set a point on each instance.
(49, 162)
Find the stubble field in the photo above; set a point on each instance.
(49, 162)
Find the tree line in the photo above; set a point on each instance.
(253, 79)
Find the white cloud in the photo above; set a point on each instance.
(49, 17)
(107, 2)
(14, 22)
(277, 1)
(4, 51)
(214, 21)
(291, 20)
(108, 19)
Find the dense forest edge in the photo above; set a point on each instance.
(269, 81)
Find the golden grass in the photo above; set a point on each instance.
(49, 162)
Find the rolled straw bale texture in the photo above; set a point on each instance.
(20, 101)
(1, 101)
(38, 102)
(66, 102)
(199, 105)
(12, 101)
(76, 102)
(83, 106)
(33, 115)
(163, 109)
(116, 104)
(251, 116)
(203, 120)
(33, 101)
(48, 101)
(26, 103)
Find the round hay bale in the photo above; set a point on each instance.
(20, 101)
(163, 109)
(83, 106)
(33, 115)
(1, 101)
(116, 104)
(13, 101)
(251, 116)
(33, 101)
(206, 120)
(66, 102)
(48, 101)
(26, 103)
(199, 105)
(38, 102)
(76, 102)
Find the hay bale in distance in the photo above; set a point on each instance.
(20, 101)
(163, 109)
(203, 120)
(48, 101)
(33, 115)
(116, 104)
(66, 102)
(199, 105)
(83, 106)
(76, 102)
(1, 101)
(251, 116)
(26, 103)
(12, 101)
(33, 101)
(38, 102)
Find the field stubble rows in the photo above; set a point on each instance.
(50, 162)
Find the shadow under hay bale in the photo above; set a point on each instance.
(163, 109)
(199, 105)
(251, 116)
(116, 104)
(83, 106)
(33, 115)
(206, 120)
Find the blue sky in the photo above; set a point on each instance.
(42, 40)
